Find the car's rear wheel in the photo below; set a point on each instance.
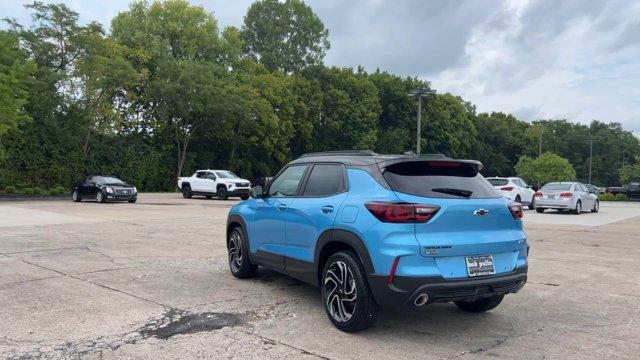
(239, 263)
(596, 206)
(186, 192)
(578, 208)
(244, 196)
(222, 193)
(209, 196)
(76, 196)
(540, 210)
(132, 201)
(480, 305)
(346, 295)
(100, 197)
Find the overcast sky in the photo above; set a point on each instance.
(572, 59)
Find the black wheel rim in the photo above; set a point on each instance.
(235, 252)
(220, 192)
(340, 292)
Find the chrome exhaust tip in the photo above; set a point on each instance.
(421, 299)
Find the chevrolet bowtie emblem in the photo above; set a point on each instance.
(480, 212)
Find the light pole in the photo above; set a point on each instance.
(542, 123)
(420, 93)
(590, 141)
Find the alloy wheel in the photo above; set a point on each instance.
(340, 291)
(75, 195)
(99, 196)
(235, 252)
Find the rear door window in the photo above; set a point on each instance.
(449, 180)
(557, 186)
(325, 180)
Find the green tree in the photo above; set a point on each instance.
(285, 35)
(546, 168)
(630, 172)
(500, 141)
(447, 125)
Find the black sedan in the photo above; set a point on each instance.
(103, 189)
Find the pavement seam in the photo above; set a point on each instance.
(305, 352)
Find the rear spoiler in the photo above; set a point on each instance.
(477, 165)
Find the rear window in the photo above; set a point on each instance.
(557, 186)
(449, 180)
(498, 182)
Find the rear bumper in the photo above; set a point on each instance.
(405, 289)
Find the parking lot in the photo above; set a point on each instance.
(150, 280)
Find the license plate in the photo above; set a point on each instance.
(550, 196)
(480, 265)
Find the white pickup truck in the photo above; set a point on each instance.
(222, 183)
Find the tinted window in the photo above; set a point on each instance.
(287, 183)
(498, 182)
(211, 176)
(438, 180)
(201, 174)
(103, 180)
(226, 174)
(557, 186)
(325, 180)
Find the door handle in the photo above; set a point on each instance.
(282, 206)
(327, 209)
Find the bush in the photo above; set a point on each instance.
(61, 189)
(621, 197)
(27, 191)
(45, 192)
(606, 197)
(37, 190)
(54, 191)
(10, 189)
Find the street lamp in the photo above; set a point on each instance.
(542, 123)
(420, 93)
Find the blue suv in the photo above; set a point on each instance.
(383, 230)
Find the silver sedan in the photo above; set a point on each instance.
(572, 196)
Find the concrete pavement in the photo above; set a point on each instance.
(150, 280)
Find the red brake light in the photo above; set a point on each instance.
(401, 213)
(538, 194)
(516, 210)
(507, 188)
(566, 195)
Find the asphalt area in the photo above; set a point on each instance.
(150, 280)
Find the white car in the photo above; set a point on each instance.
(563, 196)
(514, 188)
(222, 183)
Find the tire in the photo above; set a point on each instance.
(578, 208)
(208, 196)
(244, 196)
(480, 305)
(75, 196)
(596, 207)
(238, 254)
(532, 204)
(186, 192)
(540, 210)
(222, 193)
(518, 199)
(100, 197)
(132, 201)
(360, 309)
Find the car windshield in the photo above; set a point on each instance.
(498, 182)
(226, 174)
(438, 180)
(105, 180)
(557, 186)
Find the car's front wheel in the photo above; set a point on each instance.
(222, 193)
(76, 196)
(539, 210)
(186, 192)
(532, 204)
(596, 206)
(480, 305)
(100, 197)
(346, 295)
(239, 263)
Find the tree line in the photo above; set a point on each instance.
(165, 91)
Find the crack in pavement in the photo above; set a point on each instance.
(304, 352)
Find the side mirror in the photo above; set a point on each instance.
(256, 192)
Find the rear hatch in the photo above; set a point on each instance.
(473, 219)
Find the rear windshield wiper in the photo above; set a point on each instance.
(456, 192)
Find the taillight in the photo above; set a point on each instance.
(538, 194)
(566, 195)
(401, 212)
(516, 210)
(507, 188)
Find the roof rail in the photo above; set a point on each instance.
(341, 152)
